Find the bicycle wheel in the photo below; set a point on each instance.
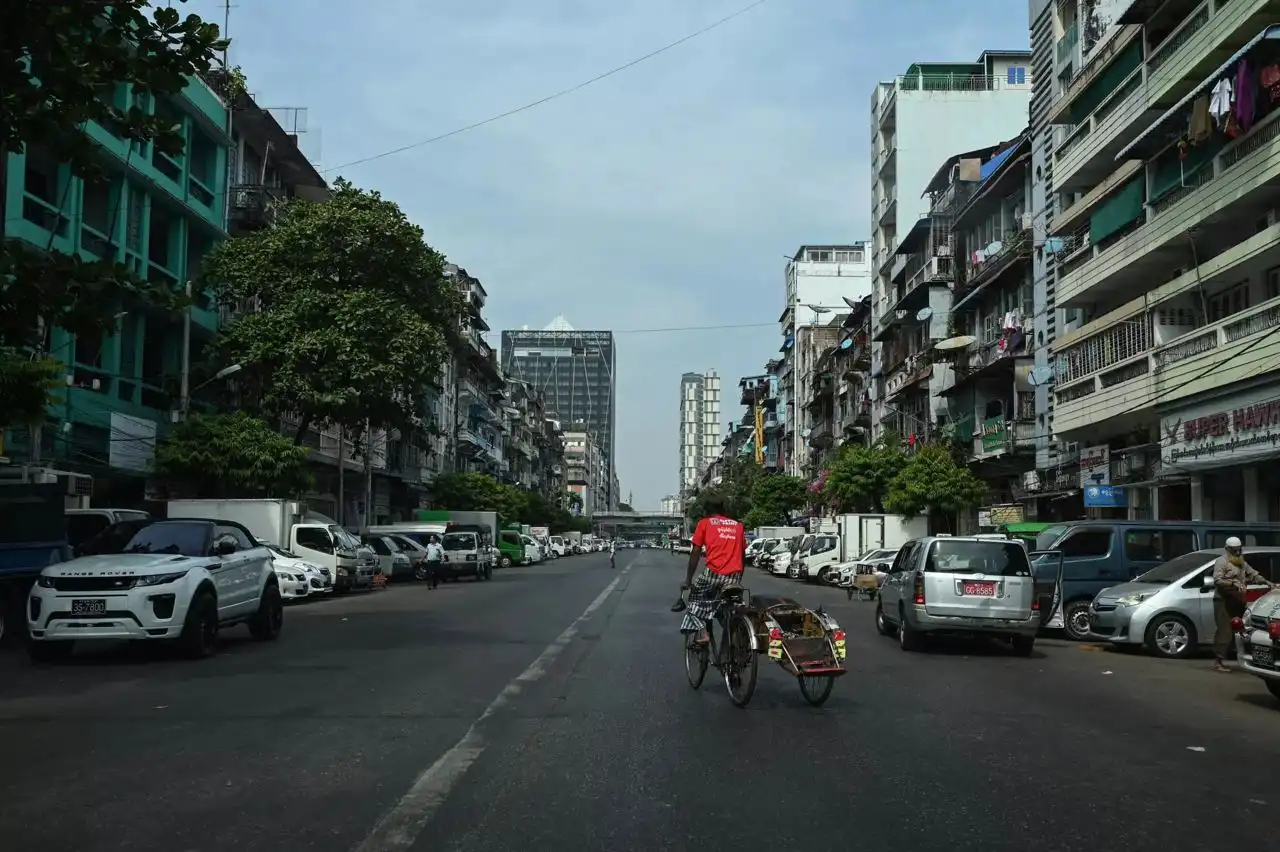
(816, 689)
(740, 668)
(695, 660)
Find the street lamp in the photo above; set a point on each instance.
(184, 404)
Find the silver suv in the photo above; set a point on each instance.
(960, 585)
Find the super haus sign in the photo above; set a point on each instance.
(1223, 432)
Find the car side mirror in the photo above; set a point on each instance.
(1206, 583)
(224, 547)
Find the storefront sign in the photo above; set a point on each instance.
(993, 435)
(1095, 465)
(1105, 497)
(1231, 430)
(1007, 514)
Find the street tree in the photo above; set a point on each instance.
(232, 455)
(479, 492)
(353, 315)
(932, 484)
(57, 61)
(774, 498)
(858, 480)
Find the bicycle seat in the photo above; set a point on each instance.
(732, 592)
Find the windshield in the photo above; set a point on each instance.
(822, 543)
(343, 537)
(1047, 539)
(800, 544)
(1176, 569)
(555, 539)
(460, 541)
(113, 539)
(777, 546)
(188, 538)
(988, 556)
(879, 553)
(279, 551)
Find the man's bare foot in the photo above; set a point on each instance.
(1219, 666)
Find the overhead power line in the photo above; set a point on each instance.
(555, 96)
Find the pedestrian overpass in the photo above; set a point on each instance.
(636, 524)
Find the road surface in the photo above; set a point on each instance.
(497, 716)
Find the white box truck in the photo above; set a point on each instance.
(288, 525)
(850, 536)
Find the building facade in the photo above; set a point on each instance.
(820, 281)
(533, 446)
(479, 391)
(586, 473)
(918, 120)
(575, 371)
(838, 398)
(1167, 240)
(699, 425)
(157, 215)
(672, 505)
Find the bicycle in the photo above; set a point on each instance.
(735, 655)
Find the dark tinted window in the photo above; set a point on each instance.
(823, 543)
(379, 545)
(81, 528)
(512, 538)
(240, 537)
(1086, 541)
(178, 537)
(903, 560)
(995, 558)
(460, 541)
(1263, 563)
(1175, 569)
(1265, 538)
(112, 540)
(1152, 545)
(315, 538)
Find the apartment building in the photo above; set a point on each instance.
(838, 398)
(918, 120)
(479, 390)
(699, 425)
(532, 445)
(672, 505)
(1167, 247)
(157, 215)
(586, 472)
(820, 280)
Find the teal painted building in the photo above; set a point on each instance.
(159, 216)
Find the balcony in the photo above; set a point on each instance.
(885, 114)
(999, 437)
(887, 205)
(250, 205)
(1202, 41)
(1065, 48)
(1234, 187)
(1013, 253)
(1125, 373)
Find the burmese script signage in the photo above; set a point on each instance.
(1227, 431)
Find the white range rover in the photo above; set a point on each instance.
(178, 580)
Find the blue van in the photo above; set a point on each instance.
(1098, 554)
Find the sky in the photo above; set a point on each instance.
(665, 196)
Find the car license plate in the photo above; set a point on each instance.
(1263, 656)
(982, 590)
(97, 606)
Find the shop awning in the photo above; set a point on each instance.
(1174, 121)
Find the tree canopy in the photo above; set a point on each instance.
(751, 495)
(931, 483)
(232, 455)
(56, 62)
(353, 319)
(858, 480)
(472, 492)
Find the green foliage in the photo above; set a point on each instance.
(78, 51)
(354, 319)
(478, 492)
(932, 483)
(858, 480)
(751, 495)
(27, 385)
(625, 507)
(232, 455)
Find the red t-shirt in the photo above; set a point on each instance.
(725, 540)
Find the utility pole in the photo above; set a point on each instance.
(368, 474)
(184, 392)
(342, 475)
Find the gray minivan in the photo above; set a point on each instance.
(1096, 555)
(960, 585)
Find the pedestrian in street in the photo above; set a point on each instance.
(1231, 579)
(435, 558)
(612, 558)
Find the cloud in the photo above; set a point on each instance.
(664, 196)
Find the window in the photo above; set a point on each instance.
(314, 538)
(81, 528)
(1158, 545)
(239, 536)
(1273, 282)
(1233, 300)
(1218, 538)
(996, 558)
(1017, 75)
(1086, 541)
(817, 256)
(854, 256)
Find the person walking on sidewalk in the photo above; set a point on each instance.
(435, 558)
(1231, 579)
(612, 557)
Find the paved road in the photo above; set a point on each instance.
(498, 717)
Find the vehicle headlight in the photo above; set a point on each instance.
(161, 579)
(45, 582)
(1132, 600)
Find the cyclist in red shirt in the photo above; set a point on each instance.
(725, 543)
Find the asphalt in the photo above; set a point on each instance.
(495, 716)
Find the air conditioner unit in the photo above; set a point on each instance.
(1028, 221)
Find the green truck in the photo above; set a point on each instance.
(505, 540)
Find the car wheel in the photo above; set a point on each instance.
(1273, 686)
(420, 572)
(908, 639)
(1171, 636)
(1022, 645)
(200, 630)
(505, 563)
(265, 624)
(883, 627)
(1075, 620)
(49, 651)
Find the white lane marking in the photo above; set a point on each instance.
(399, 827)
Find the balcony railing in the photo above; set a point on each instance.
(251, 204)
(1065, 48)
(1247, 166)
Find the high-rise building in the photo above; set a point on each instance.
(821, 282)
(699, 425)
(919, 120)
(671, 505)
(575, 371)
(1167, 237)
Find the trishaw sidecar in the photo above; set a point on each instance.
(806, 643)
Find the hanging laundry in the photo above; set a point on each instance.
(1269, 79)
(1201, 125)
(1009, 321)
(1220, 101)
(1246, 95)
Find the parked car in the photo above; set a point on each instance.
(532, 550)
(684, 545)
(1258, 638)
(181, 580)
(557, 547)
(392, 561)
(318, 578)
(960, 585)
(416, 552)
(465, 555)
(1169, 609)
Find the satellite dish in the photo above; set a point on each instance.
(1040, 376)
(923, 314)
(851, 303)
(953, 343)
